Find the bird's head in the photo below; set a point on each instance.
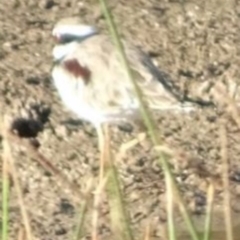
(72, 29)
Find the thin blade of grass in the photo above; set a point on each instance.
(21, 234)
(18, 188)
(81, 218)
(83, 210)
(208, 221)
(227, 198)
(221, 94)
(120, 220)
(170, 210)
(96, 204)
(187, 218)
(5, 197)
(147, 232)
(147, 117)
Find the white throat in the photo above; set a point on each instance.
(60, 51)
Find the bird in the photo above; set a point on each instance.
(92, 83)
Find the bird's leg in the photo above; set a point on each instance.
(100, 135)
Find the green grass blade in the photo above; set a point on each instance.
(147, 117)
(170, 210)
(5, 200)
(119, 217)
(83, 210)
(207, 229)
(81, 218)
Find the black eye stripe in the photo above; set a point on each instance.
(66, 38)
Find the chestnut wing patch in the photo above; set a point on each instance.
(75, 68)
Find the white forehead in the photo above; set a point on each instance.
(74, 29)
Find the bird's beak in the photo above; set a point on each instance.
(56, 38)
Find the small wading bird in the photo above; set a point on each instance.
(92, 82)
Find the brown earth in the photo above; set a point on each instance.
(194, 43)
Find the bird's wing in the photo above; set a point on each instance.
(157, 86)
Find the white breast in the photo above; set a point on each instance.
(71, 91)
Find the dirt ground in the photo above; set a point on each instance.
(195, 43)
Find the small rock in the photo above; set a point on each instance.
(46, 4)
(62, 131)
(60, 231)
(66, 207)
(26, 128)
(7, 46)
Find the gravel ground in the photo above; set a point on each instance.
(196, 44)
